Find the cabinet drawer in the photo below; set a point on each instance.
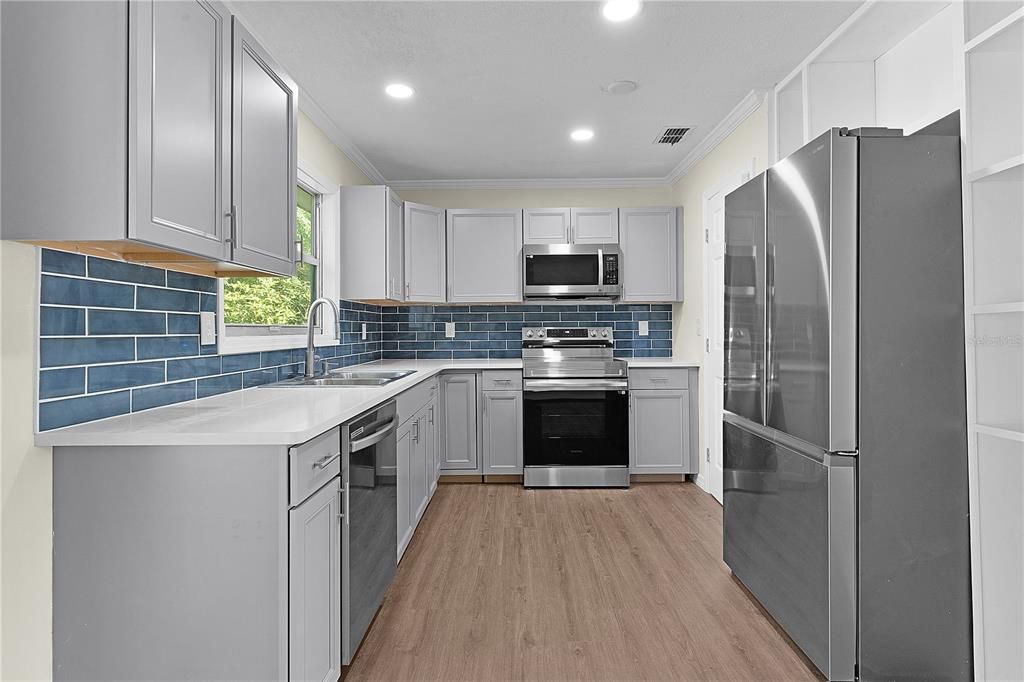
(313, 463)
(668, 377)
(408, 403)
(494, 380)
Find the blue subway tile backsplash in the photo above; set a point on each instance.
(117, 338)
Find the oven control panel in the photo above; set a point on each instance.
(568, 333)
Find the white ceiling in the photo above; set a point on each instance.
(499, 85)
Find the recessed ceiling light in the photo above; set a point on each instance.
(620, 10)
(399, 91)
(582, 134)
(620, 87)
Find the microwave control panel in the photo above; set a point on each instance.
(611, 269)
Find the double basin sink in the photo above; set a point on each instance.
(345, 378)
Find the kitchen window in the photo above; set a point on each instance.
(269, 313)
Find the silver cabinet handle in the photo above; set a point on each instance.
(326, 461)
(407, 290)
(343, 514)
(231, 216)
(416, 431)
(347, 497)
(431, 415)
(298, 250)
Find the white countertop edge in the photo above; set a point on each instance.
(218, 420)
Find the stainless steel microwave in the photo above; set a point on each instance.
(572, 271)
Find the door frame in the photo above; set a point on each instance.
(725, 184)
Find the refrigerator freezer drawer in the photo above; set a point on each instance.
(789, 538)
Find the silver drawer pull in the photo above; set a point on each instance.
(659, 378)
(326, 461)
(503, 381)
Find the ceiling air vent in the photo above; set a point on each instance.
(671, 135)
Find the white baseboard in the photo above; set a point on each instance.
(702, 483)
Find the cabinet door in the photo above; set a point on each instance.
(419, 466)
(595, 225)
(503, 432)
(659, 432)
(424, 253)
(314, 587)
(265, 160)
(403, 462)
(459, 434)
(650, 258)
(484, 256)
(394, 246)
(434, 445)
(546, 226)
(179, 146)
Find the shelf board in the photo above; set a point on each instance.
(992, 31)
(996, 308)
(996, 168)
(999, 432)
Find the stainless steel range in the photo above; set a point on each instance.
(576, 409)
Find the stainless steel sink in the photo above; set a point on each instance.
(345, 378)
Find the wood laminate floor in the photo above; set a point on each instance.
(502, 583)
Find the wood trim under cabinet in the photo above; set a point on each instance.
(154, 256)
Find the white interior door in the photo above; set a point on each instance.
(714, 285)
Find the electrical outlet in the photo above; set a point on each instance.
(364, 331)
(644, 328)
(449, 330)
(207, 328)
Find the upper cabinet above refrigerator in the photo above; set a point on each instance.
(119, 131)
(571, 226)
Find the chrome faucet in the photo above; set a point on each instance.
(311, 356)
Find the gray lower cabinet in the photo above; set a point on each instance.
(459, 438)
(662, 433)
(502, 432)
(314, 586)
(417, 458)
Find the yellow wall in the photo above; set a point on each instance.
(749, 144)
(541, 198)
(26, 517)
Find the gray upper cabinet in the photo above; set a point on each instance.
(502, 432)
(424, 253)
(484, 255)
(571, 226)
(179, 150)
(314, 587)
(651, 254)
(459, 431)
(265, 158)
(546, 226)
(133, 112)
(594, 225)
(372, 244)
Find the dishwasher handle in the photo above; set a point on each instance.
(373, 438)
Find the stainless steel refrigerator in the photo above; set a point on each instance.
(845, 445)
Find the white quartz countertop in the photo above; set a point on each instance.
(270, 416)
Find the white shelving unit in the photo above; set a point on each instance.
(993, 134)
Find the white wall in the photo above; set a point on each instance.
(26, 519)
(749, 144)
(915, 81)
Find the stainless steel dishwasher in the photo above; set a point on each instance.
(369, 532)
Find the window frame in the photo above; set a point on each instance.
(328, 278)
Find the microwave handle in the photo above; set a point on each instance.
(600, 267)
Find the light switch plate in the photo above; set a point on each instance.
(364, 331)
(207, 328)
(644, 328)
(449, 330)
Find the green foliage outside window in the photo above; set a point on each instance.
(277, 300)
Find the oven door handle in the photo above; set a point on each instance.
(548, 385)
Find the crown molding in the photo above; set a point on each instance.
(319, 117)
(722, 130)
(528, 183)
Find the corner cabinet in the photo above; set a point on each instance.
(143, 163)
(571, 226)
(652, 257)
(484, 256)
(372, 244)
(424, 253)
